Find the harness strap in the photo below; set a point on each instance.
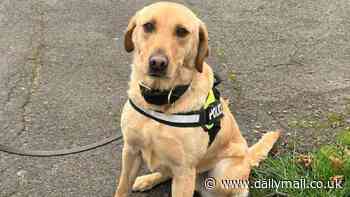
(208, 117)
(176, 120)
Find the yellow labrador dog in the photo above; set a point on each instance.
(169, 84)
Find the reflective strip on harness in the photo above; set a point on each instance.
(174, 118)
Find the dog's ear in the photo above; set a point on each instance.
(203, 48)
(128, 43)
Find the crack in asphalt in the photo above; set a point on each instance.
(36, 64)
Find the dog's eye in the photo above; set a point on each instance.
(181, 32)
(148, 27)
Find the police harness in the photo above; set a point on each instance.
(208, 117)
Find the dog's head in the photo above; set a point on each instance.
(169, 42)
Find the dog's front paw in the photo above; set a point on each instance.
(120, 195)
(143, 183)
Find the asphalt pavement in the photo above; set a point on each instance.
(64, 74)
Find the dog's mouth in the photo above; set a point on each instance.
(144, 85)
(156, 75)
(153, 87)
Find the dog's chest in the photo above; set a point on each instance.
(162, 145)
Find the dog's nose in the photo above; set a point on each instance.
(158, 64)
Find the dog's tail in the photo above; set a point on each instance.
(260, 150)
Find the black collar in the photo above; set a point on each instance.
(162, 97)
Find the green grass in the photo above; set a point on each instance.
(344, 137)
(326, 162)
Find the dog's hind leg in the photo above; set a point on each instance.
(146, 182)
